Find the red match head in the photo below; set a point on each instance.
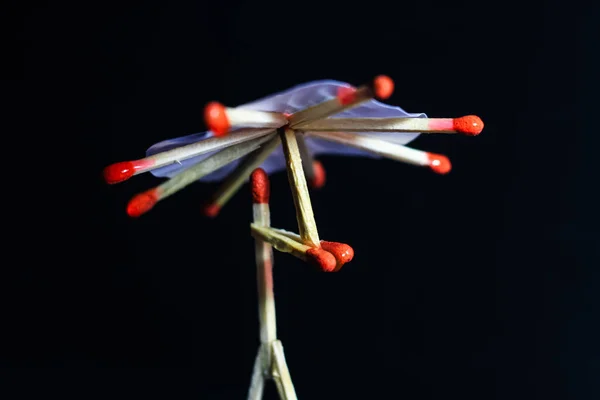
(319, 179)
(118, 172)
(142, 203)
(383, 86)
(341, 251)
(261, 189)
(346, 95)
(470, 125)
(215, 117)
(439, 164)
(322, 259)
(211, 210)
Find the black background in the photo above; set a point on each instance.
(476, 285)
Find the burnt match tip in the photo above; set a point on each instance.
(322, 259)
(342, 252)
(118, 172)
(439, 164)
(470, 125)
(215, 117)
(142, 203)
(319, 178)
(383, 86)
(260, 186)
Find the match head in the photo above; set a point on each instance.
(261, 189)
(383, 87)
(215, 117)
(118, 172)
(346, 95)
(440, 164)
(342, 252)
(142, 203)
(470, 125)
(322, 259)
(319, 178)
(211, 210)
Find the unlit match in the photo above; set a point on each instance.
(122, 171)
(264, 258)
(145, 201)
(469, 125)
(380, 88)
(313, 255)
(437, 162)
(220, 119)
(342, 252)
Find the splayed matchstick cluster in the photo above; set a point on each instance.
(286, 131)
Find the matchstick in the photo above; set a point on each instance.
(342, 252)
(307, 159)
(304, 212)
(281, 374)
(264, 278)
(380, 88)
(259, 372)
(264, 256)
(220, 119)
(313, 255)
(144, 202)
(240, 174)
(313, 169)
(122, 171)
(437, 162)
(469, 125)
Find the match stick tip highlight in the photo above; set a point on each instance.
(118, 172)
(322, 259)
(260, 186)
(342, 252)
(211, 210)
(470, 125)
(215, 117)
(142, 203)
(440, 164)
(318, 181)
(383, 86)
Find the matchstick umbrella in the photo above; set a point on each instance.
(287, 131)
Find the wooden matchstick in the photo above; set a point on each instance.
(281, 374)
(220, 119)
(264, 279)
(437, 162)
(304, 212)
(470, 125)
(259, 373)
(380, 88)
(144, 202)
(264, 256)
(307, 159)
(270, 360)
(240, 174)
(122, 171)
(313, 255)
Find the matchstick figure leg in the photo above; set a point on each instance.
(259, 374)
(281, 374)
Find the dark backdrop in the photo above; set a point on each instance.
(477, 285)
